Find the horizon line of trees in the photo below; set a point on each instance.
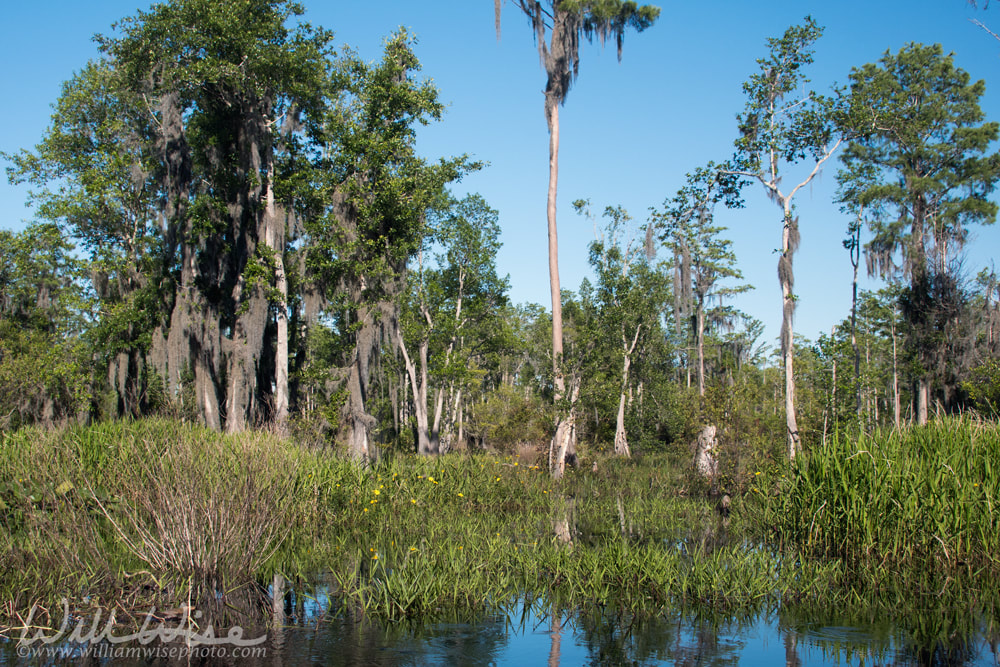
(235, 228)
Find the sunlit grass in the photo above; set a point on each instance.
(156, 511)
(897, 498)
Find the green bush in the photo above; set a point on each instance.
(983, 387)
(509, 417)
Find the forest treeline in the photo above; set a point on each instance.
(234, 228)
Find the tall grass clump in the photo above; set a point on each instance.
(912, 497)
(203, 510)
(155, 509)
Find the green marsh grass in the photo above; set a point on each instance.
(153, 512)
(129, 514)
(897, 498)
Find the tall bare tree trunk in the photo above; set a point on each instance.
(896, 408)
(701, 347)
(855, 249)
(561, 444)
(789, 240)
(833, 396)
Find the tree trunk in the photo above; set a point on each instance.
(355, 418)
(192, 352)
(459, 419)
(700, 326)
(621, 440)
(855, 259)
(923, 399)
(276, 242)
(833, 397)
(418, 385)
(896, 408)
(249, 222)
(787, 280)
(435, 435)
(562, 441)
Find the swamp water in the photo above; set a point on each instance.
(531, 634)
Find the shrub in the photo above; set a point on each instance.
(509, 417)
(983, 387)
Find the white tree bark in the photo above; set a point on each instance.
(276, 242)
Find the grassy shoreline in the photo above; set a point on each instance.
(127, 515)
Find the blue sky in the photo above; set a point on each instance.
(629, 131)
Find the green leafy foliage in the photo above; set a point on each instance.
(919, 157)
(44, 365)
(983, 387)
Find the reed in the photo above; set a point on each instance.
(897, 498)
(151, 510)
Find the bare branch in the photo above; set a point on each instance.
(980, 24)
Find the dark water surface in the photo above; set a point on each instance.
(519, 638)
(534, 635)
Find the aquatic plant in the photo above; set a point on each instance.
(911, 497)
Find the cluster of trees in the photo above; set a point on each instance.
(232, 186)
(235, 227)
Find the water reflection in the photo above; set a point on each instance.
(315, 630)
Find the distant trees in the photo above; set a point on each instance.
(451, 315)
(235, 227)
(44, 369)
(920, 163)
(627, 299)
(701, 258)
(95, 173)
